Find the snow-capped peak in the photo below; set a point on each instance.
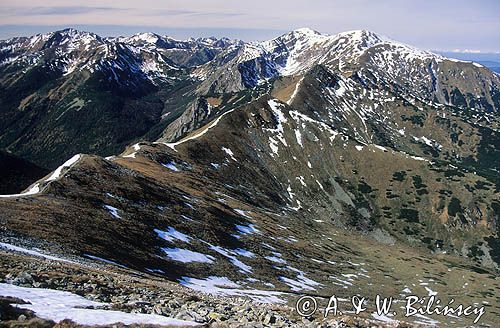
(305, 31)
(146, 37)
(72, 35)
(367, 38)
(304, 35)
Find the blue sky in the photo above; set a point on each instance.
(438, 25)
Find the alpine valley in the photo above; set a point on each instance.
(250, 173)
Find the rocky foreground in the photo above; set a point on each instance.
(136, 292)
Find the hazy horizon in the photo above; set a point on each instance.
(441, 26)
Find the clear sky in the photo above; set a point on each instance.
(472, 25)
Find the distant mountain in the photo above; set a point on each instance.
(71, 91)
(308, 163)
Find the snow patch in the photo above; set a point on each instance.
(231, 256)
(301, 282)
(297, 86)
(229, 152)
(33, 252)
(246, 229)
(171, 166)
(276, 258)
(298, 136)
(32, 191)
(244, 252)
(57, 173)
(223, 286)
(113, 211)
(58, 305)
(187, 256)
(278, 131)
(171, 234)
(430, 291)
(243, 213)
(383, 318)
(104, 260)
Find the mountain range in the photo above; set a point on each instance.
(308, 163)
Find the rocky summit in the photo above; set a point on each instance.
(217, 181)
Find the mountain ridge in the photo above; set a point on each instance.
(307, 164)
